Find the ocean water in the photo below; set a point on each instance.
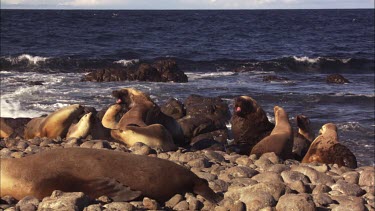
(224, 53)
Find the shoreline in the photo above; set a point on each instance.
(246, 182)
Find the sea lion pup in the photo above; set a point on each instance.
(121, 176)
(55, 124)
(280, 141)
(80, 129)
(249, 124)
(327, 149)
(303, 137)
(5, 129)
(142, 111)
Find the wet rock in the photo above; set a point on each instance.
(336, 79)
(27, 203)
(295, 202)
(119, 206)
(347, 188)
(367, 178)
(173, 108)
(64, 201)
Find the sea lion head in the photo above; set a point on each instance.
(129, 96)
(244, 105)
(303, 122)
(328, 128)
(279, 112)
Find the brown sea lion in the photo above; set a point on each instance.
(80, 129)
(303, 137)
(55, 124)
(121, 176)
(5, 129)
(155, 136)
(142, 111)
(249, 124)
(280, 141)
(327, 149)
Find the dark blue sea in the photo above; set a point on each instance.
(224, 53)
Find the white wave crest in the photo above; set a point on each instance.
(306, 59)
(12, 108)
(26, 57)
(201, 75)
(126, 63)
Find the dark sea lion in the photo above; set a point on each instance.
(303, 137)
(121, 176)
(55, 124)
(280, 141)
(249, 124)
(80, 129)
(12, 127)
(155, 136)
(327, 149)
(142, 111)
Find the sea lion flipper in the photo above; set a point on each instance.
(114, 189)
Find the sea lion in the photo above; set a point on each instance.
(327, 149)
(280, 141)
(55, 124)
(142, 111)
(303, 137)
(121, 176)
(82, 128)
(155, 136)
(5, 129)
(249, 124)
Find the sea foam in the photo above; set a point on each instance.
(27, 57)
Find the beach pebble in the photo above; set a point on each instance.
(367, 178)
(119, 206)
(258, 200)
(27, 203)
(94, 207)
(348, 189)
(5, 153)
(96, 144)
(268, 177)
(322, 200)
(289, 202)
(314, 176)
(199, 163)
(174, 200)
(182, 205)
(64, 201)
(351, 177)
(150, 204)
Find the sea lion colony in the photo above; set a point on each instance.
(136, 118)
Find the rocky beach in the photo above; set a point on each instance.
(246, 182)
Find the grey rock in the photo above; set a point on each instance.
(349, 203)
(242, 172)
(351, 177)
(271, 156)
(322, 199)
(214, 156)
(278, 168)
(292, 176)
(268, 177)
(297, 186)
(274, 189)
(118, 206)
(348, 188)
(219, 185)
(232, 157)
(263, 164)
(243, 182)
(206, 176)
(321, 188)
(258, 200)
(27, 203)
(314, 176)
(64, 201)
(295, 202)
(199, 163)
(367, 178)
